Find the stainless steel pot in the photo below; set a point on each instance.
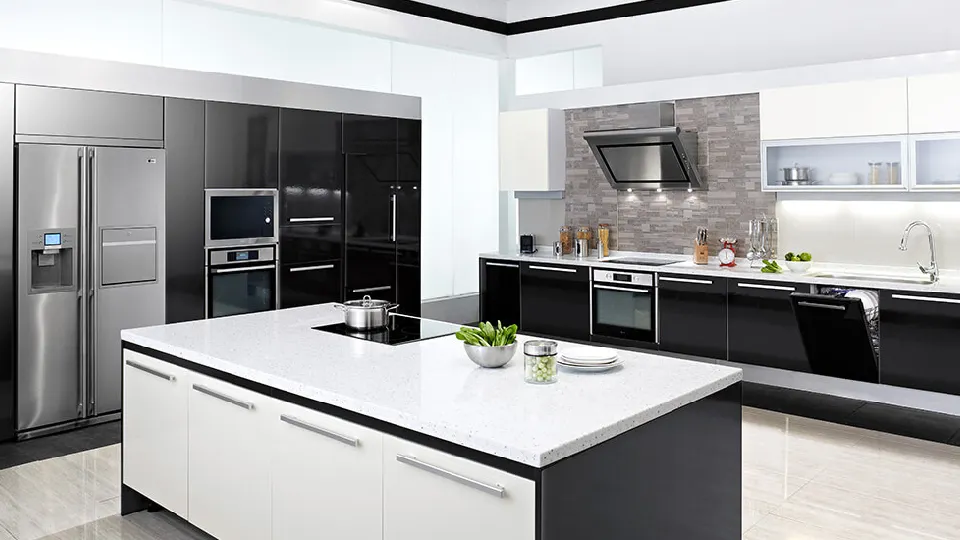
(797, 174)
(366, 314)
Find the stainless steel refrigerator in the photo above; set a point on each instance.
(90, 263)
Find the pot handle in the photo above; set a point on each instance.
(392, 307)
(341, 307)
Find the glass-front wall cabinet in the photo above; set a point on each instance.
(935, 161)
(836, 164)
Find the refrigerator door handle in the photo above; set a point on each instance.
(83, 279)
(93, 242)
(393, 228)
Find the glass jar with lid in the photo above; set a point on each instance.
(540, 361)
(566, 239)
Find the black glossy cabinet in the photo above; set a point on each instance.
(500, 291)
(762, 329)
(311, 243)
(364, 134)
(309, 284)
(918, 337)
(693, 315)
(555, 300)
(311, 167)
(241, 145)
(408, 150)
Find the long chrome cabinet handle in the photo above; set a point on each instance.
(765, 287)
(151, 371)
(309, 268)
(552, 269)
(687, 280)
(242, 269)
(926, 298)
(83, 277)
(496, 491)
(223, 397)
(373, 289)
(624, 289)
(93, 241)
(505, 265)
(393, 229)
(319, 430)
(821, 306)
(310, 219)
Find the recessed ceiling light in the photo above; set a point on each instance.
(629, 190)
(689, 190)
(659, 190)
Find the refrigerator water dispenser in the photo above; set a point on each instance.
(52, 261)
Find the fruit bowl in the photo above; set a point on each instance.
(799, 267)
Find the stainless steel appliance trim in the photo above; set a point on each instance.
(309, 219)
(926, 298)
(821, 306)
(552, 269)
(242, 269)
(496, 491)
(393, 227)
(129, 243)
(293, 421)
(636, 278)
(373, 289)
(766, 287)
(84, 250)
(219, 257)
(310, 268)
(686, 280)
(89, 141)
(237, 242)
(150, 370)
(93, 238)
(505, 265)
(223, 397)
(624, 289)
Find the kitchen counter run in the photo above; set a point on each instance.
(432, 387)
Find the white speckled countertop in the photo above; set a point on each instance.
(432, 387)
(869, 277)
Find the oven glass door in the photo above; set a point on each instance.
(239, 219)
(234, 290)
(624, 312)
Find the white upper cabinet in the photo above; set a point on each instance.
(533, 150)
(935, 103)
(861, 108)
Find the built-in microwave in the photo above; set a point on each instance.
(623, 306)
(241, 217)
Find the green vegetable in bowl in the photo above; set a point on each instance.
(803, 257)
(486, 335)
(789, 256)
(806, 257)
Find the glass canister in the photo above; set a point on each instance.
(585, 233)
(893, 173)
(875, 175)
(540, 361)
(566, 240)
(603, 240)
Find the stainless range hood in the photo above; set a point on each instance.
(648, 157)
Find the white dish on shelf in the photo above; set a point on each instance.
(595, 368)
(589, 355)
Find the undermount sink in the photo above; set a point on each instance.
(878, 277)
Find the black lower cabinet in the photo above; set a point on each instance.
(918, 337)
(762, 329)
(693, 316)
(500, 291)
(311, 283)
(555, 300)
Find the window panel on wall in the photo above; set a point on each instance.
(545, 73)
(207, 38)
(121, 30)
(588, 68)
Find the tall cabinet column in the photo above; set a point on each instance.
(7, 314)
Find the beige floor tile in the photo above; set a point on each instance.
(139, 526)
(800, 448)
(752, 511)
(5, 534)
(774, 527)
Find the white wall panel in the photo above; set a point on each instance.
(546, 73)
(122, 30)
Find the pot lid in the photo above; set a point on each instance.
(367, 302)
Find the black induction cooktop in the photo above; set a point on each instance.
(401, 329)
(641, 261)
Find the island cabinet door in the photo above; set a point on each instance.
(327, 477)
(918, 341)
(555, 300)
(431, 494)
(762, 327)
(155, 397)
(229, 460)
(500, 291)
(693, 315)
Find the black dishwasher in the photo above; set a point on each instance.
(837, 335)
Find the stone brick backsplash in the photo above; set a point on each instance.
(728, 128)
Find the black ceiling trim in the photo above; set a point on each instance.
(631, 9)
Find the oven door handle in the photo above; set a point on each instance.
(242, 269)
(625, 289)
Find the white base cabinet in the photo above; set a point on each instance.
(155, 430)
(431, 494)
(229, 460)
(327, 477)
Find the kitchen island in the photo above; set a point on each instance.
(260, 426)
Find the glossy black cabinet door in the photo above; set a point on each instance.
(408, 150)
(309, 284)
(369, 134)
(407, 197)
(693, 315)
(371, 247)
(311, 243)
(762, 329)
(918, 337)
(500, 291)
(555, 300)
(311, 167)
(241, 145)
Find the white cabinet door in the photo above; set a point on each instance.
(229, 460)
(532, 150)
(431, 494)
(327, 477)
(877, 107)
(934, 106)
(155, 430)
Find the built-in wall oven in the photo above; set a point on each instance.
(241, 280)
(241, 217)
(624, 306)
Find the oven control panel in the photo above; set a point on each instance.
(624, 278)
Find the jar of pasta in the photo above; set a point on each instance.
(566, 240)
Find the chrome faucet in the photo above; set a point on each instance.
(933, 270)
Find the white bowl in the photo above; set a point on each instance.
(843, 179)
(799, 267)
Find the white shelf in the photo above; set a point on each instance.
(834, 155)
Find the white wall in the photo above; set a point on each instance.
(460, 94)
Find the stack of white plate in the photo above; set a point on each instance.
(589, 358)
